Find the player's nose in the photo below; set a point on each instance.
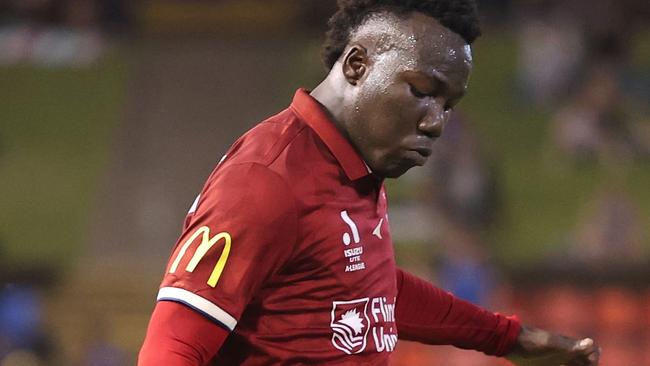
(434, 120)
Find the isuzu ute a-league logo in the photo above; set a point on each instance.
(350, 325)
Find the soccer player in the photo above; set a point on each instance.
(286, 255)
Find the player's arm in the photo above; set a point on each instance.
(240, 232)
(427, 314)
(179, 336)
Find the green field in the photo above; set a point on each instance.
(56, 126)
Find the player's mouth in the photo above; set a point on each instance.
(419, 154)
(423, 150)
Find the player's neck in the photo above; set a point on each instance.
(328, 94)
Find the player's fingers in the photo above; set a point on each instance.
(587, 347)
(586, 353)
(586, 357)
(584, 345)
(592, 351)
(594, 357)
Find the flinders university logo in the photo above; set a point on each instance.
(350, 325)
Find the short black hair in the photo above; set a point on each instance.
(460, 16)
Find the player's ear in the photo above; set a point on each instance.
(355, 64)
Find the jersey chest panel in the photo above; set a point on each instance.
(339, 286)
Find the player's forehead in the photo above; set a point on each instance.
(420, 40)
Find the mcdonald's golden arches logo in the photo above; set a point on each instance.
(201, 250)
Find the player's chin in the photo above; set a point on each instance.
(399, 169)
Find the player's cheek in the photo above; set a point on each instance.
(407, 115)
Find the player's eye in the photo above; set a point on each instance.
(451, 105)
(416, 93)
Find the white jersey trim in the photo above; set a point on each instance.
(197, 303)
(195, 205)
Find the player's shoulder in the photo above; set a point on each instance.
(250, 165)
(280, 143)
(283, 149)
(266, 141)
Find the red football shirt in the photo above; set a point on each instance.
(288, 247)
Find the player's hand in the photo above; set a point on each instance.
(537, 347)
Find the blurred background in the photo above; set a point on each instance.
(114, 112)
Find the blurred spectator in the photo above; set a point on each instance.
(22, 340)
(464, 194)
(558, 39)
(464, 268)
(593, 126)
(20, 312)
(55, 32)
(610, 232)
(463, 179)
(551, 48)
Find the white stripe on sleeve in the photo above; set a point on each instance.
(198, 303)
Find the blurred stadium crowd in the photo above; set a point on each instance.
(57, 33)
(536, 201)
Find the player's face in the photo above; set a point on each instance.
(405, 98)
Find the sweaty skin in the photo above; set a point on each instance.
(392, 90)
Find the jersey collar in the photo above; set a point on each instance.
(313, 113)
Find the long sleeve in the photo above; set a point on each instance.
(427, 314)
(180, 336)
(231, 243)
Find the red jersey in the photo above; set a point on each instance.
(288, 246)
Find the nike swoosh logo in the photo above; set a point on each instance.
(377, 231)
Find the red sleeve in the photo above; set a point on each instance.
(179, 336)
(427, 314)
(239, 232)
